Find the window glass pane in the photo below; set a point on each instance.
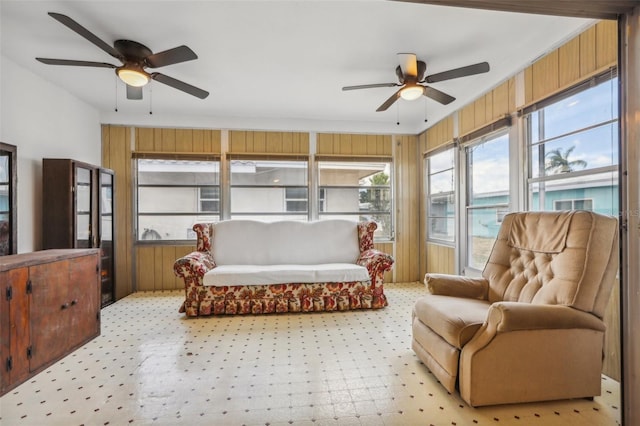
(441, 161)
(268, 190)
(488, 172)
(170, 227)
(356, 191)
(592, 106)
(173, 195)
(592, 148)
(268, 173)
(441, 182)
(482, 229)
(597, 192)
(4, 198)
(441, 196)
(4, 168)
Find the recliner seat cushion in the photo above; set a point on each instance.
(456, 320)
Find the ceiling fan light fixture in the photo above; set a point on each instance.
(133, 77)
(411, 93)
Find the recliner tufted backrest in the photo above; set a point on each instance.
(559, 258)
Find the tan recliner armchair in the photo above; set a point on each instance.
(531, 328)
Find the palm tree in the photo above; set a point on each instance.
(558, 161)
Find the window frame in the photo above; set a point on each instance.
(138, 231)
(538, 110)
(487, 134)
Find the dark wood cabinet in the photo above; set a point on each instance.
(78, 213)
(8, 198)
(49, 306)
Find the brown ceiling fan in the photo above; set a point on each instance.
(411, 77)
(135, 57)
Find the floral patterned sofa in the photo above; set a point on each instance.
(252, 267)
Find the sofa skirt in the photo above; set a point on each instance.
(280, 298)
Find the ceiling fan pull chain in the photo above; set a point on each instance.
(398, 114)
(150, 98)
(425, 109)
(116, 100)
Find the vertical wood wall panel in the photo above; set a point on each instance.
(406, 209)
(116, 155)
(268, 142)
(347, 144)
(589, 53)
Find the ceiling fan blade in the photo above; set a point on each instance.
(73, 25)
(170, 57)
(180, 85)
(437, 95)
(134, 93)
(458, 72)
(370, 86)
(409, 64)
(389, 102)
(75, 63)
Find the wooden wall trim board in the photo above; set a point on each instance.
(353, 144)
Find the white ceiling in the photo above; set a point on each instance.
(279, 64)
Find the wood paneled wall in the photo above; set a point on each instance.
(349, 144)
(590, 53)
(407, 199)
(488, 108)
(268, 142)
(177, 140)
(440, 259)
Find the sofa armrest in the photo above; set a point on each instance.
(457, 286)
(377, 263)
(193, 265)
(514, 316)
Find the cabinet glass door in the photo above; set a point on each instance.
(8, 243)
(83, 207)
(106, 237)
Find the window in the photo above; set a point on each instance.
(487, 195)
(209, 199)
(573, 205)
(358, 191)
(173, 195)
(269, 189)
(573, 149)
(440, 172)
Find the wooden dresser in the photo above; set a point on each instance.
(49, 306)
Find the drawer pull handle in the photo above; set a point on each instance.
(74, 302)
(65, 306)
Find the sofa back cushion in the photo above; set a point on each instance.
(560, 258)
(250, 242)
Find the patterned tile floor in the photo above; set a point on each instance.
(151, 365)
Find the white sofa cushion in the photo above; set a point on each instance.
(232, 275)
(250, 242)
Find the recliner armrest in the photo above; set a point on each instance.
(457, 286)
(514, 316)
(194, 264)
